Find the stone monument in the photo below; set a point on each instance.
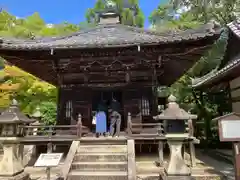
(175, 132)
(30, 151)
(11, 166)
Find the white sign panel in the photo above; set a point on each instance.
(48, 160)
(230, 129)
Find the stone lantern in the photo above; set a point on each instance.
(37, 115)
(11, 166)
(174, 117)
(175, 132)
(10, 120)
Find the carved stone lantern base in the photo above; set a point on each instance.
(177, 165)
(11, 166)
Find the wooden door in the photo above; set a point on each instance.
(83, 105)
(131, 100)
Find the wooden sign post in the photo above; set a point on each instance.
(229, 131)
(48, 160)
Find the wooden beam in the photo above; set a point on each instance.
(164, 49)
(107, 85)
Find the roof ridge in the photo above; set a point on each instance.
(209, 27)
(112, 35)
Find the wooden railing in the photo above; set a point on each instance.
(150, 129)
(42, 130)
(144, 129)
(75, 131)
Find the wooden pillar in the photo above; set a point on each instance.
(129, 124)
(132, 172)
(191, 144)
(160, 153)
(192, 154)
(60, 107)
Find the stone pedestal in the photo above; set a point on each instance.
(11, 166)
(21, 176)
(176, 166)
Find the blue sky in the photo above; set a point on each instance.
(57, 11)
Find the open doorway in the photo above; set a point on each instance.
(106, 97)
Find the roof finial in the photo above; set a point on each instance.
(172, 98)
(110, 13)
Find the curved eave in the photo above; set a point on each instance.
(226, 74)
(230, 64)
(183, 50)
(110, 36)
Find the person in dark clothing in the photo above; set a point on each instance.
(115, 118)
(115, 105)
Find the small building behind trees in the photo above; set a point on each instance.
(227, 76)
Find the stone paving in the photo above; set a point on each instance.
(147, 164)
(221, 166)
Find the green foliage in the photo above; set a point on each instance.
(130, 12)
(49, 112)
(161, 14)
(162, 19)
(32, 92)
(223, 11)
(205, 104)
(32, 26)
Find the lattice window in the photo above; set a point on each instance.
(145, 107)
(69, 109)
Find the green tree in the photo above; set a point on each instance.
(204, 103)
(29, 90)
(223, 11)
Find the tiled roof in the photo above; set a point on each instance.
(111, 35)
(217, 74)
(235, 27)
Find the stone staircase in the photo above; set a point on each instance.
(100, 160)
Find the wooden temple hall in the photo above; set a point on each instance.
(110, 61)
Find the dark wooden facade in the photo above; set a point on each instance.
(140, 102)
(110, 57)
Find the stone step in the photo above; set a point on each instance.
(96, 175)
(177, 178)
(103, 141)
(151, 176)
(102, 157)
(99, 166)
(148, 167)
(102, 148)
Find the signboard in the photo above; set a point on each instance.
(48, 160)
(229, 130)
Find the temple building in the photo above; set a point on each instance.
(109, 61)
(227, 75)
